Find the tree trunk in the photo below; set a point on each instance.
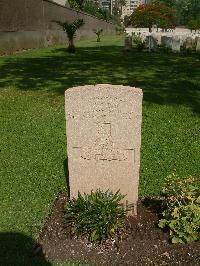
(71, 47)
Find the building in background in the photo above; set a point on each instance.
(131, 5)
(127, 10)
(105, 4)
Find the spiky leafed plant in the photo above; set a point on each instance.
(98, 33)
(70, 29)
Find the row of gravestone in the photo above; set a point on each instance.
(173, 43)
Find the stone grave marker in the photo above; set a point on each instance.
(198, 44)
(128, 43)
(176, 44)
(103, 139)
(152, 43)
(166, 41)
(188, 44)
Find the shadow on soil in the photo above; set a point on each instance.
(20, 250)
(165, 78)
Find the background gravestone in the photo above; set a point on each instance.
(152, 43)
(188, 43)
(103, 139)
(198, 44)
(176, 44)
(166, 41)
(128, 43)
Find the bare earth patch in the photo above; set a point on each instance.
(141, 243)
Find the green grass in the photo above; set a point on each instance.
(33, 139)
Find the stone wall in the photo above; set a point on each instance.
(27, 24)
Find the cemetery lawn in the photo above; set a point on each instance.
(33, 139)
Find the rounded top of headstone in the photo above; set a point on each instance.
(104, 88)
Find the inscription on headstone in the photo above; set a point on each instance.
(103, 139)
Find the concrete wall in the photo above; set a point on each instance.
(61, 2)
(27, 24)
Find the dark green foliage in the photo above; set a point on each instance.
(182, 208)
(79, 4)
(70, 28)
(120, 30)
(127, 21)
(98, 215)
(194, 24)
(91, 7)
(185, 10)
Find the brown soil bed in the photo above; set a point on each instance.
(142, 243)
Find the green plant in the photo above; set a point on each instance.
(182, 208)
(194, 24)
(98, 33)
(97, 215)
(70, 29)
(139, 43)
(119, 30)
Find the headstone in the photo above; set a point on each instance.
(128, 43)
(198, 44)
(176, 44)
(188, 44)
(157, 37)
(152, 43)
(166, 41)
(103, 139)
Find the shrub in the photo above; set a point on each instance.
(98, 215)
(140, 44)
(194, 24)
(182, 208)
(119, 30)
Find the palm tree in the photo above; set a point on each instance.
(70, 29)
(98, 33)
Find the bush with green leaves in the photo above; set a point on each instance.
(139, 43)
(98, 215)
(182, 208)
(120, 30)
(194, 24)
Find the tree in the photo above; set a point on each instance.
(194, 24)
(185, 10)
(79, 4)
(70, 29)
(98, 34)
(169, 3)
(153, 14)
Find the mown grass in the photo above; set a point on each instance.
(33, 139)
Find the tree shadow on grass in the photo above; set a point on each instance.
(19, 249)
(164, 78)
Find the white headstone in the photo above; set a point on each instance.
(103, 139)
(176, 44)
